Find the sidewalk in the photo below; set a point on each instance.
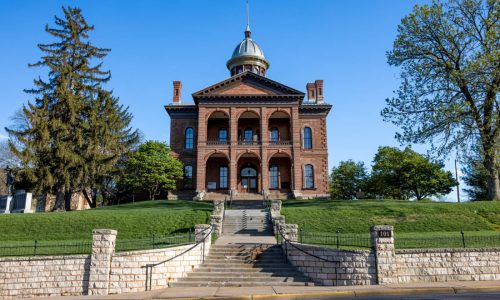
(296, 292)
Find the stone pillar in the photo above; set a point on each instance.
(200, 230)
(278, 221)
(218, 207)
(216, 221)
(275, 207)
(291, 232)
(201, 143)
(383, 244)
(103, 247)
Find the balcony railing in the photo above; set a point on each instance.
(280, 143)
(249, 143)
(217, 142)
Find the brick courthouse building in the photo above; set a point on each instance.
(249, 135)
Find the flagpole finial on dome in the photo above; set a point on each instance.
(248, 32)
(248, 56)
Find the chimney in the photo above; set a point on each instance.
(319, 91)
(177, 92)
(311, 92)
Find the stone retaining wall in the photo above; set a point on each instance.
(101, 273)
(129, 275)
(439, 265)
(44, 276)
(355, 267)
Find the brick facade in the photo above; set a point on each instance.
(250, 121)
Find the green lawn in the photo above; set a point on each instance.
(132, 221)
(416, 224)
(357, 216)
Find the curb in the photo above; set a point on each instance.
(353, 294)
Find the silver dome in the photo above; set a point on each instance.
(248, 55)
(248, 48)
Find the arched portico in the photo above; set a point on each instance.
(249, 174)
(280, 173)
(217, 177)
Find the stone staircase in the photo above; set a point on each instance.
(235, 266)
(247, 222)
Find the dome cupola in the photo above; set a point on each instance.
(248, 56)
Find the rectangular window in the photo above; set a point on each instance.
(273, 176)
(223, 177)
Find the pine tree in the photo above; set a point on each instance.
(72, 121)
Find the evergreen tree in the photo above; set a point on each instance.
(475, 176)
(65, 146)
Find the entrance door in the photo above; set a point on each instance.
(249, 179)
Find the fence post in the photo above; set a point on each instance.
(385, 257)
(463, 237)
(34, 250)
(153, 240)
(103, 248)
(301, 235)
(337, 236)
(189, 235)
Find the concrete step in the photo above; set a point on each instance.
(251, 269)
(236, 284)
(246, 279)
(237, 275)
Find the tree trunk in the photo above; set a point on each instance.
(67, 200)
(493, 181)
(59, 203)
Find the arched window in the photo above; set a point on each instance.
(223, 177)
(307, 138)
(188, 176)
(248, 136)
(189, 138)
(274, 135)
(308, 177)
(223, 135)
(274, 177)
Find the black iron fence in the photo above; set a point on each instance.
(336, 239)
(38, 248)
(154, 241)
(461, 239)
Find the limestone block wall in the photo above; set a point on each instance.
(44, 276)
(355, 267)
(128, 273)
(439, 265)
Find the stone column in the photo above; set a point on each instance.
(103, 248)
(264, 136)
(201, 143)
(383, 243)
(291, 232)
(233, 164)
(297, 161)
(218, 207)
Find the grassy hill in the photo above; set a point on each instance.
(357, 216)
(134, 220)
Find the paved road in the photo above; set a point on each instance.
(439, 296)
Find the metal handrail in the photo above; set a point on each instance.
(149, 267)
(335, 262)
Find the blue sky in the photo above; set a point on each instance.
(155, 42)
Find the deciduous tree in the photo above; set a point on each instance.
(152, 168)
(407, 174)
(449, 55)
(348, 179)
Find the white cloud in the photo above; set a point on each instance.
(3, 137)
